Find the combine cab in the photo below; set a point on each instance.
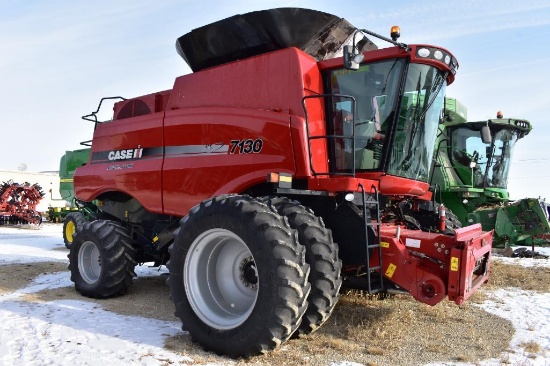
(472, 172)
(18, 203)
(274, 173)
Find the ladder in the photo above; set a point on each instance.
(374, 272)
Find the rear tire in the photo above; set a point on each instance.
(71, 222)
(322, 256)
(101, 259)
(238, 276)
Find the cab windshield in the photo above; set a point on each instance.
(364, 105)
(418, 121)
(482, 165)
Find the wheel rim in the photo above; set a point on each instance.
(70, 229)
(221, 279)
(89, 262)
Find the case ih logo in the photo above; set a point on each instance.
(125, 154)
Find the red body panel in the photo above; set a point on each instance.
(139, 178)
(386, 184)
(219, 131)
(208, 164)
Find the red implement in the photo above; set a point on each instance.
(18, 203)
(431, 266)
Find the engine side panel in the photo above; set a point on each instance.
(212, 151)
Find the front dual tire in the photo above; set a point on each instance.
(238, 276)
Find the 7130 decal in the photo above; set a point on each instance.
(248, 146)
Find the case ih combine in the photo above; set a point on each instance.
(271, 175)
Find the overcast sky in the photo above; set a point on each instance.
(59, 58)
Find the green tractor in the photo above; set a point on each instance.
(471, 175)
(76, 213)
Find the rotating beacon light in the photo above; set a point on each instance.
(395, 32)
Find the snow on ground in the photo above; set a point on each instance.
(69, 332)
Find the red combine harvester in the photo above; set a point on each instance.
(179, 178)
(18, 203)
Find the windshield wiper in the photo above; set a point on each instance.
(419, 117)
(415, 124)
(437, 88)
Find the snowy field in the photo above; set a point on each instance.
(69, 332)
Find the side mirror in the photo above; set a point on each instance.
(486, 135)
(349, 62)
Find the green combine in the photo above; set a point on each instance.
(76, 214)
(471, 175)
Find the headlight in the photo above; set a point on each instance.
(439, 55)
(423, 52)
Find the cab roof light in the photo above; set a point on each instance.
(439, 55)
(522, 124)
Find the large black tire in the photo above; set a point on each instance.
(71, 222)
(321, 254)
(101, 259)
(451, 220)
(238, 276)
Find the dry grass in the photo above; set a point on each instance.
(397, 330)
(526, 278)
(531, 347)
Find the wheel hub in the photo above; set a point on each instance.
(249, 275)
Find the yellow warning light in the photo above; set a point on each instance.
(395, 32)
(499, 114)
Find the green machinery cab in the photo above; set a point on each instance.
(471, 173)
